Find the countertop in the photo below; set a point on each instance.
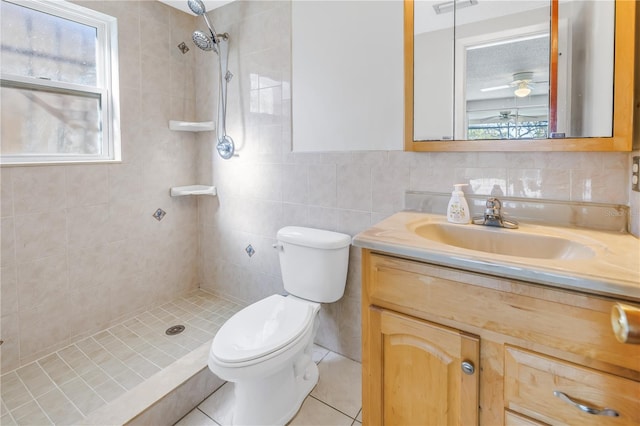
(614, 270)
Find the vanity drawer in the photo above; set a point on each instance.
(530, 380)
(515, 419)
(545, 317)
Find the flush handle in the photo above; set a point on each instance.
(277, 247)
(468, 367)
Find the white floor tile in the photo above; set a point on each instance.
(219, 406)
(318, 353)
(196, 418)
(316, 413)
(340, 384)
(359, 418)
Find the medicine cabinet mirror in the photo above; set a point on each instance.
(528, 75)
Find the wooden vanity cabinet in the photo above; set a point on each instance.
(443, 346)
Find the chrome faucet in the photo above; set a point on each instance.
(493, 216)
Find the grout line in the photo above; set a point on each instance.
(77, 376)
(199, 308)
(32, 399)
(205, 415)
(330, 406)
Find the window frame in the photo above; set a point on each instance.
(106, 89)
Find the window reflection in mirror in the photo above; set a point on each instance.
(505, 84)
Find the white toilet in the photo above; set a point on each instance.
(265, 349)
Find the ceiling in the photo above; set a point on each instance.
(182, 4)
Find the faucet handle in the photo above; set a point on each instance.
(493, 203)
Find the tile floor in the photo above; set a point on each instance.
(336, 399)
(68, 385)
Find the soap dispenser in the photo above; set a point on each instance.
(458, 209)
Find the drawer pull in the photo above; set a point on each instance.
(604, 412)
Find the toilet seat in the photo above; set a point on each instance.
(261, 329)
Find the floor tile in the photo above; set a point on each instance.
(33, 416)
(13, 391)
(340, 384)
(219, 406)
(318, 353)
(78, 379)
(196, 418)
(57, 369)
(35, 379)
(316, 413)
(30, 410)
(82, 396)
(6, 420)
(59, 409)
(359, 418)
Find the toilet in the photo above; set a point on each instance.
(265, 349)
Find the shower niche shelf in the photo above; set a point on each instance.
(180, 191)
(192, 126)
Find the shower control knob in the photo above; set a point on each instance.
(468, 368)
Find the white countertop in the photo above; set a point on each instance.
(613, 271)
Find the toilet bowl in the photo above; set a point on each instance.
(266, 348)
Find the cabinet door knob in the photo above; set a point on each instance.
(604, 412)
(468, 368)
(625, 320)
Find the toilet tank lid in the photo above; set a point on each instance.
(316, 238)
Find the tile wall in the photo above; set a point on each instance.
(79, 245)
(268, 187)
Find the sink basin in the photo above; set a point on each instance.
(507, 242)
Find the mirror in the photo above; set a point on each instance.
(487, 75)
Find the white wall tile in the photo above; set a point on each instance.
(42, 279)
(354, 187)
(38, 189)
(40, 235)
(6, 193)
(87, 185)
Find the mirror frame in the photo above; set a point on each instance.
(623, 104)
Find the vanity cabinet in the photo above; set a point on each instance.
(443, 346)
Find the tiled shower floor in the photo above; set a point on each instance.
(66, 386)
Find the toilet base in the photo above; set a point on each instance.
(275, 400)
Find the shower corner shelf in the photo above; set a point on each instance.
(191, 126)
(179, 191)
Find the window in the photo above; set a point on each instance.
(59, 83)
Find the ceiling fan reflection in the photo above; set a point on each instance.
(522, 81)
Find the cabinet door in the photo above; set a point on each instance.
(416, 372)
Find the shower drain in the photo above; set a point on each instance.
(176, 329)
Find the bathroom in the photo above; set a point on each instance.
(81, 249)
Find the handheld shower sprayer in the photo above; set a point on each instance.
(225, 145)
(197, 7)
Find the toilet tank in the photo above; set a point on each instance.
(313, 262)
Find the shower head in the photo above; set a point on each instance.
(203, 41)
(197, 7)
